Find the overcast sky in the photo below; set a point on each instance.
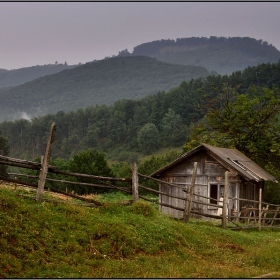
(37, 33)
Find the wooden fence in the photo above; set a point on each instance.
(44, 168)
(261, 216)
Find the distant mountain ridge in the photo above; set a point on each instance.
(223, 55)
(95, 83)
(151, 67)
(16, 77)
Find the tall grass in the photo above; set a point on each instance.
(51, 240)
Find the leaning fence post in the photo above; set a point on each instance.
(188, 204)
(260, 208)
(135, 182)
(45, 164)
(225, 202)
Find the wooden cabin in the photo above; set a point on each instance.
(245, 180)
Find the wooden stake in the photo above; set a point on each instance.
(225, 202)
(15, 183)
(45, 164)
(260, 208)
(188, 204)
(135, 184)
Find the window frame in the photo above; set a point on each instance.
(220, 192)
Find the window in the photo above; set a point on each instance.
(216, 191)
(213, 194)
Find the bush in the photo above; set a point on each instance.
(143, 208)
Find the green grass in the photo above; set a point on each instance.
(51, 240)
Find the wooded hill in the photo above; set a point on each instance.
(127, 76)
(99, 82)
(130, 128)
(221, 54)
(16, 77)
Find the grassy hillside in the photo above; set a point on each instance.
(51, 240)
(16, 77)
(100, 82)
(221, 54)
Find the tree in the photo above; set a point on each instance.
(4, 151)
(172, 128)
(249, 124)
(148, 138)
(89, 162)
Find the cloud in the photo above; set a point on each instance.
(24, 115)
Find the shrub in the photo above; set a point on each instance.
(143, 208)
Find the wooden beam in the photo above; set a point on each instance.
(188, 205)
(89, 176)
(90, 200)
(8, 160)
(22, 165)
(225, 202)
(260, 208)
(45, 164)
(135, 182)
(160, 181)
(19, 182)
(163, 193)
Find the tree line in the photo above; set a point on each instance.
(258, 47)
(222, 55)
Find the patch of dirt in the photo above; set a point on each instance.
(232, 246)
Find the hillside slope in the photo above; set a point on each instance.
(220, 54)
(16, 77)
(101, 82)
(54, 240)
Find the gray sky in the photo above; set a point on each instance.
(37, 33)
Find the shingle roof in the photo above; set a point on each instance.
(231, 159)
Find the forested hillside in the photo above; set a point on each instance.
(221, 54)
(16, 77)
(100, 82)
(131, 128)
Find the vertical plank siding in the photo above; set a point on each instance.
(209, 172)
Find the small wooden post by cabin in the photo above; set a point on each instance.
(225, 203)
(188, 205)
(260, 208)
(135, 182)
(45, 164)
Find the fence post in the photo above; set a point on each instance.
(188, 204)
(135, 182)
(45, 164)
(15, 183)
(225, 202)
(260, 208)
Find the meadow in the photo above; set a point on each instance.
(62, 240)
